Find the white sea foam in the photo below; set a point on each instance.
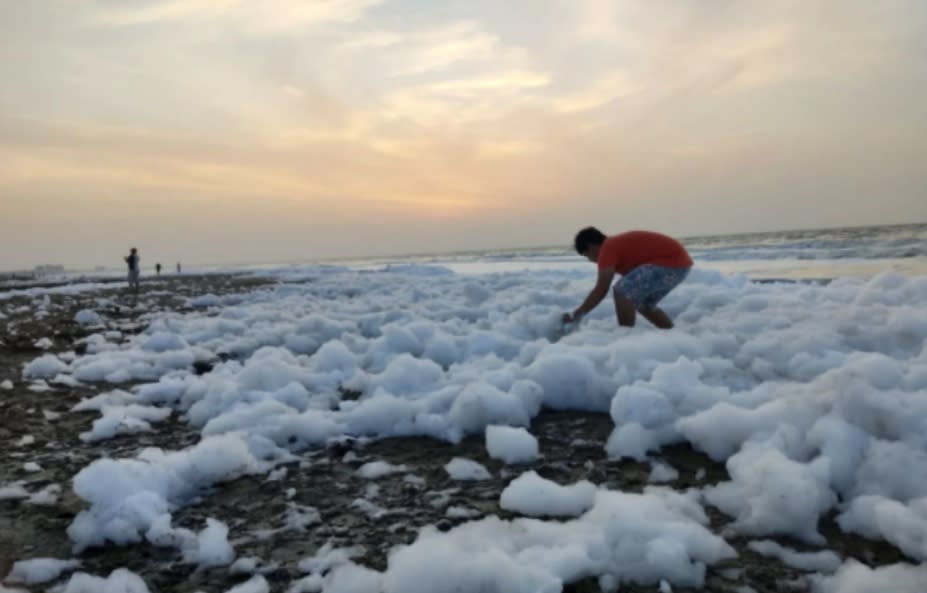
(809, 393)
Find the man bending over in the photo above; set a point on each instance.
(650, 266)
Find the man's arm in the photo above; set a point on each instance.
(595, 297)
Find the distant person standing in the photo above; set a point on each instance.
(178, 267)
(133, 262)
(158, 268)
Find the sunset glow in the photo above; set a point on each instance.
(231, 130)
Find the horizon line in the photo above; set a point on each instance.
(292, 262)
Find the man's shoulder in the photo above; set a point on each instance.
(625, 237)
(639, 236)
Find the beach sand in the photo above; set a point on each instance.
(325, 479)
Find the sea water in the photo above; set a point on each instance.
(788, 255)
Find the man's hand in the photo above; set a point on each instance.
(595, 296)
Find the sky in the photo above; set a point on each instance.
(215, 131)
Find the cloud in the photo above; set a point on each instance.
(466, 115)
(610, 87)
(266, 17)
(501, 81)
(437, 49)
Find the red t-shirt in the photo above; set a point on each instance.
(626, 251)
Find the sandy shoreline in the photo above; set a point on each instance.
(319, 490)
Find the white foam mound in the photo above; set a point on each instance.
(45, 367)
(377, 469)
(635, 538)
(823, 561)
(854, 577)
(118, 420)
(811, 388)
(256, 584)
(206, 300)
(162, 341)
(459, 468)
(129, 496)
(352, 578)
(328, 557)
(510, 444)
(212, 546)
(662, 472)
(902, 524)
(40, 570)
(88, 317)
(120, 580)
(532, 495)
(771, 494)
(13, 490)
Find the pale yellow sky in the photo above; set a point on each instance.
(215, 131)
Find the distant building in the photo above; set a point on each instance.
(36, 273)
(17, 275)
(48, 270)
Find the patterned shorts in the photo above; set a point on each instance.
(646, 285)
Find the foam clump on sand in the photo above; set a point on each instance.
(212, 546)
(819, 385)
(130, 496)
(45, 367)
(162, 341)
(635, 538)
(120, 580)
(854, 577)
(511, 444)
(256, 584)
(823, 561)
(116, 420)
(328, 557)
(206, 300)
(340, 572)
(903, 524)
(771, 494)
(39, 570)
(378, 469)
(88, 317)
(532, 495)
(13, 491)
(480, 404)
(459, 468)
(662, 472)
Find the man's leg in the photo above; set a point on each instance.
(641, 289)
(657, 317)
(624, 310)
(663, 281)
(629, 292)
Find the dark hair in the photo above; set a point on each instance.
(587, 237)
